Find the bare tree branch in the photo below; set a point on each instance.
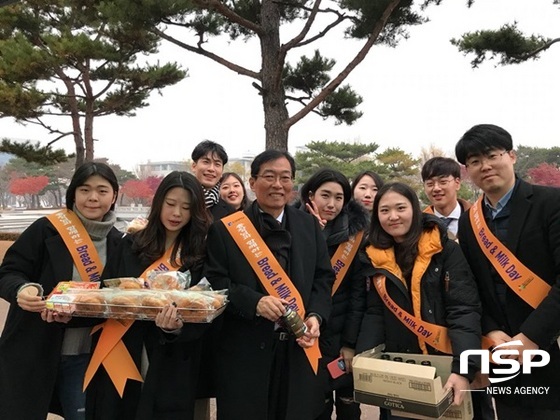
(50, 143)
(305, 30)
(225, 11)
(327, 90)
(38, 121)
(300, 99)
(531, 54)
(201, 51)
(341, 18)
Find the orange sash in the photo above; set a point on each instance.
(111, 351)
(79, 244)
(268, 270)
(520, 279)
(343, 257)
(434, 335)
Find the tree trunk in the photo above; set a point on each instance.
(75, 114)
(88, 122)
(274, 102)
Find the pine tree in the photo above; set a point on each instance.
(71, 59)
(307, 84)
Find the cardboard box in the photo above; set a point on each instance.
(407, 389)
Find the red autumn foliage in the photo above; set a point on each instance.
(137, 190)
(545, 174)
(30, 185)
(153, 182)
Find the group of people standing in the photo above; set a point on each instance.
(335, 258)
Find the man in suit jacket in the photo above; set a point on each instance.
(442, 180)
(265, 373)
(524, 218)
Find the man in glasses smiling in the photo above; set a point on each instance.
(511, 238)
(274, 260)
(442, 180)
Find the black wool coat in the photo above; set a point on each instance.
(168, 391)
(534, 238)
(29, 347)
(247, 342)
(349, 301)
(206, 387)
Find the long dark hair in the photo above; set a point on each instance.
(319, 178)
(149, 243)
(83, 173)
(407, 250)
(245, 200)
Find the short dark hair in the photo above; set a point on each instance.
(482, 139)
(150, 241)
(269, 155)
(319, 178)
(209, 146)
(225, 176)
(440, 166)
(83, 173)
(376, 178)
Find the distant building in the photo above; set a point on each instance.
(244, 161)
(162, 168)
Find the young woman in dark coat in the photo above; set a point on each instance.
(327, 196)
(42, 364)
(426, 275)
(170, 363)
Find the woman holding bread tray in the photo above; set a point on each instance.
(166, 353)
(42, 364)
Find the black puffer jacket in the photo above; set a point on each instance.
(448, 297)
(349, 300)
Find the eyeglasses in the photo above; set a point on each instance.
(491, 158)
(442, 182)
(272, 178)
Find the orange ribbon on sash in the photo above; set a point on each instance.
(268, 270)
(111, 351)
(520, 279)
(343, 257)
(79, 244)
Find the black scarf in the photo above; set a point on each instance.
(275, 235)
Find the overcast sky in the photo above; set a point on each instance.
(421, 93)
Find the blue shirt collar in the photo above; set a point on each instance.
(501, 203)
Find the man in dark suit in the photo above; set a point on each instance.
(442, 180)
(514, 225)
(265, 371)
